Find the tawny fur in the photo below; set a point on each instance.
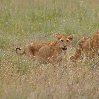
(88, 46)
(48, 52)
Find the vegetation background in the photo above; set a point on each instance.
(23, 21)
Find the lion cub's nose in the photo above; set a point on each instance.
(65, 46)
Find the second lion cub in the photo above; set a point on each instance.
(88, 46)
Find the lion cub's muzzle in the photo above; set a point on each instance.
(64, 48)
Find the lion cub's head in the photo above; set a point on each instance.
(63, 40)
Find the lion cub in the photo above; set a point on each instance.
(88, 46)
(48, 52)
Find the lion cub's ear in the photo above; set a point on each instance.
(58, 36)
(70, 37)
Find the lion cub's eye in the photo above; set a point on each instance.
(62, 40)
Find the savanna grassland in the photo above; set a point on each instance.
(25, 21)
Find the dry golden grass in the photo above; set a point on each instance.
(31, 80)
